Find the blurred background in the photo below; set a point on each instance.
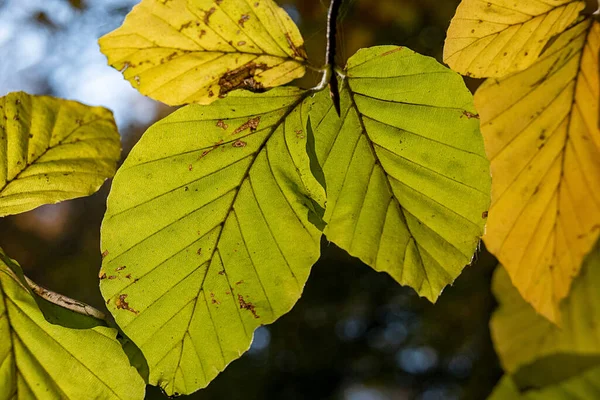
(355, 334)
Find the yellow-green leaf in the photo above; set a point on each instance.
(209, 232)
(497, 37)
(408, 184)
(52, 150)
(542, 137)
(195, 51)
(521, 335)
(40, 360)
(585, 386)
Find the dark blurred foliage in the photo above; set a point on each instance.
(355, 334)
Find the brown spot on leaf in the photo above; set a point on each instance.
(199, 252)
(246, 305)
(207, 15)
(221, 272)
(111, 277)
(104, 254)
(484, 214)
(202, 33)
(470, 115)
(190, 167)
(296, 51)
(241, 78)
(251, 124)
(102, 275)
(243, 19)
(121, 268)
(239, 143)
(300, 134)
(239, 282)
(128, 276)
(222, 124)
(124, 305)
(214, 301)
(387, 53)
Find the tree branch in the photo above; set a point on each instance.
(332, 16)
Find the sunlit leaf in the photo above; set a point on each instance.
(408, 184)
(542, 137)
(195, 51)
(522, 336)
(585, 386)
(209, 232)
(497, 37)
(40, 360)
(52, 150)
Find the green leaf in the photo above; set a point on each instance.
(585, 386)
(52, 150)
(521, 335)
(195, 51)
(40, 360)
(408, 184)
(208, 232)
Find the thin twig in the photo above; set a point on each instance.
(64, 301)
(332, 17)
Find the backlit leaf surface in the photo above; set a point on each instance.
(209, 232)
(585, 386)
(497, 37)
(542, 137)
(195, 51)
(39, 360)
(521, 335)
(52, 150)
(408, 184)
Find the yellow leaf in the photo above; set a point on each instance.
(180, 51)
(541, 134)
(53, 150)
(497, 37)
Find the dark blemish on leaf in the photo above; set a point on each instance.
(296, 51)
(17, 102)
(256, 4)
(137, 80)
(120, 268)
(104, 254)
(218, 2)
(205, 152)
(222, 124)
(470, 115)
(251, 124)
(16, 118)
(387, 53)
(102, 275)
(221, 272)
(239, 282)
(190, 167)
(207, 15)
(185, 189)
(210, 93)
(227, 292)
(124, 305)
(214, 301)
(108, 301)
(239, 143)
(241, 78)
(243, 19)
(185, 26)
(111, 277)
(241, 43)
(246, 305)
(202, 33)
(199, 251)
(484, 214)
(128, 276)
(300, 134)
